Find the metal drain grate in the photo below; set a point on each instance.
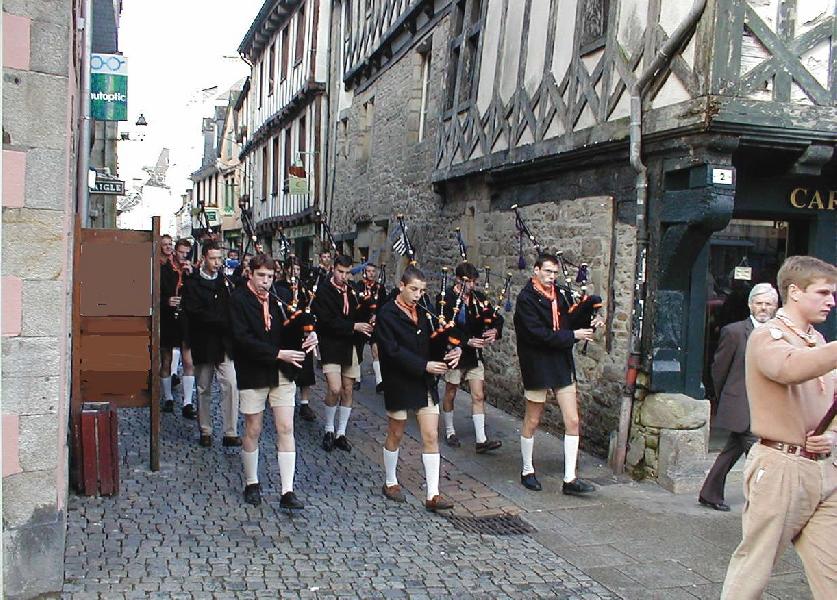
(491, 525)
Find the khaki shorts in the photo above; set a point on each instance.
(251, 402)
(401, 415)
(352, 371)
(539, 396)
(455, 376)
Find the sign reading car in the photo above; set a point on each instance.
(109, 87)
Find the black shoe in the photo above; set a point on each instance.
(379, 388)
(206, 440)
(577, 487)
(530, 482)
(289, 501)
(306, 413)
(488, 445)
(356, 386)
(189, 411)
(453, 441)
(252, 494)
(721, 506)
(175, 380)
(328, 441)
(231, 441)
(168, 406)
(343, 444)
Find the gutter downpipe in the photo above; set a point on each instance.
(661, 62)
(86, 122)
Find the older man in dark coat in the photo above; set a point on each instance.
(728, 379)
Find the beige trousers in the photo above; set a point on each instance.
(789, 499)
(225, 372)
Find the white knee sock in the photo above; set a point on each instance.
(166, 381)
(376, 368)
(251, 466)
(188, 388)
(479, 428)
(527, 445)
(302, 400)
(449, 430)
(390, 464)
(175, 360)
(570, 456)
(330, 411)
(287, 468)
(343, 413)
(431, 474)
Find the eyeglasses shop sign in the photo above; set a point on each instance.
(109, 87)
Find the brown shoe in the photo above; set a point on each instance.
(205, 441)
(438, 503)
(487, 446)
(394, 493)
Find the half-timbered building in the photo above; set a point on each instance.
(286, 47)
(682, 149)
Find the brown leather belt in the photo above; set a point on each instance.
(793, 449)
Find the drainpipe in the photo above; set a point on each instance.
(86, 122)
(660, 63)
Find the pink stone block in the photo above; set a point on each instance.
(14, 178)
(11, 445)
(12, 305)
(16, 50)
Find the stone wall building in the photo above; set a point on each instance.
(41, 47)
(287, 119)
(454, 111)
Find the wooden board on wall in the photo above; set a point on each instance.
(114, 278)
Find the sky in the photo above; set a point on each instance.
(176, 49)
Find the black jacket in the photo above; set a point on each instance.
(546, 356)
(206, 305)
(472, 327)
(255, 349)
(404, 350)
(334, 329)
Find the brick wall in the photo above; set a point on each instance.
(38, 189)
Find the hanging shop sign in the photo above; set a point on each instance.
(109, 186)
(300, 231)
(108, 87)
(297, 180)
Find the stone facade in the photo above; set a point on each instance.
(382, 168)
(39, 78)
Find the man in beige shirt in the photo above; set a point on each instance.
(790, 480)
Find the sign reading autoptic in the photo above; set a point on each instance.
(109, 87)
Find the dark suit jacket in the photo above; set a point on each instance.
(728, 377)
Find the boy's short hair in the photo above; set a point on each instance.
(802, 271)
(262, 261)
(412, 273)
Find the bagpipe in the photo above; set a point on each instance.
(298, 322)
(444, 335)
(489, 316)
(319, 218)
(583, 307)
(370, 297)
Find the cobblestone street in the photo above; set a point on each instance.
(184, 532)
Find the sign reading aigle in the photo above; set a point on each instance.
(109, 87)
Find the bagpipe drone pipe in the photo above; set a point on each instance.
(583, 307)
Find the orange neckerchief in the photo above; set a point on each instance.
(179, 270)
(344, 289)
(263, 299)
(549, 294)
(410, 311)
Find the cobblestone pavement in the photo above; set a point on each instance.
(184, 531)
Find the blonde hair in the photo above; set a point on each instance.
(802, 271)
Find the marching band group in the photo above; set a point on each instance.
(256, 326)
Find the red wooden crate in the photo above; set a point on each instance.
(99, 449)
